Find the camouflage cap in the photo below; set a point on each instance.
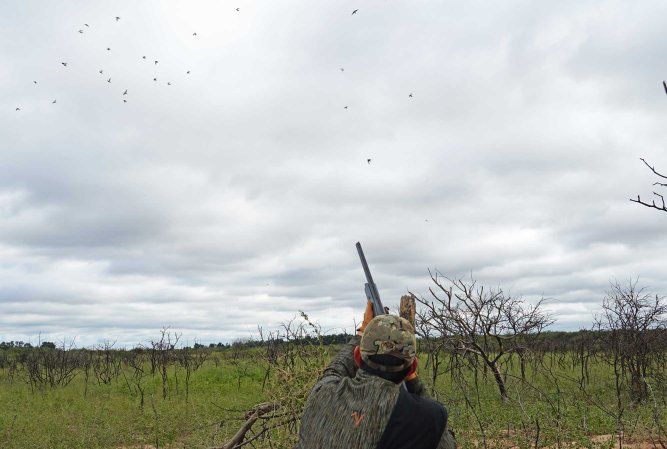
(388, 335)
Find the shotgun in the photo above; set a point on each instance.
(372, 293)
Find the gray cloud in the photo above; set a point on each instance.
(233, 197)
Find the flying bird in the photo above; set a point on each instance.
(86, 25)
(117, 18)
(168, 83)
(154, 79)
(18, 109)
(124, 101)
(108, 49)
(109, 80)
(53, 102)
(354, 12)
(368, 161)
(345, 107)
(238, 9)
(155, 62)
(664, 84)
(194, 34)
(410, 95)
(342, 69)
(81, 31)
(188, 72)
(143, 57)
(64, 64)
(101, 71)
(35, 82)
(125, 93)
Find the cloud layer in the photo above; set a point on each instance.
(231, 196)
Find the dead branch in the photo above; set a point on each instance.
(653, 204)
(652, 168)
(251, 417)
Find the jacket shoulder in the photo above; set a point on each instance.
(415, 422)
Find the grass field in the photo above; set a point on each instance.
(549, 409)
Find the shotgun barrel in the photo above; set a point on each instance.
(371, 289)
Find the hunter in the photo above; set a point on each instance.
(360, 401)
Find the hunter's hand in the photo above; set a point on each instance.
(368, 316)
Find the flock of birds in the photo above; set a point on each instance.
(155, 62)
(101, 71)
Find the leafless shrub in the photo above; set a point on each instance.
(298, 358)
(488, 323)
(161, 355)
(136, 360)
(106, 364)
(632, 322)
(191, 360)
(47, 366)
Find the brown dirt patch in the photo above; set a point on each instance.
(608, 441)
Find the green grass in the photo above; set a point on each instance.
(110, 416)
(550, 407)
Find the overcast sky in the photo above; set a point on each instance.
(232, 196)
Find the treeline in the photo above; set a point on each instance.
(331, 339)
(546, 341)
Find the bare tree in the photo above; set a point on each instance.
(486, 322)
(191, 360)
(107, 365)
(632, 320)
(661, 203)
(48, 366)
(162, 355)
(136, 360)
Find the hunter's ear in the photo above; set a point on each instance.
(357, 356)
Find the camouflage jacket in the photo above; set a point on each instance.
(351, 409)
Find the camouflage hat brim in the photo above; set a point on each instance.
(385, 368)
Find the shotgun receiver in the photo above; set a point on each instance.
(371, 289)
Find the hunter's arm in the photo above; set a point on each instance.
(342, 365)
